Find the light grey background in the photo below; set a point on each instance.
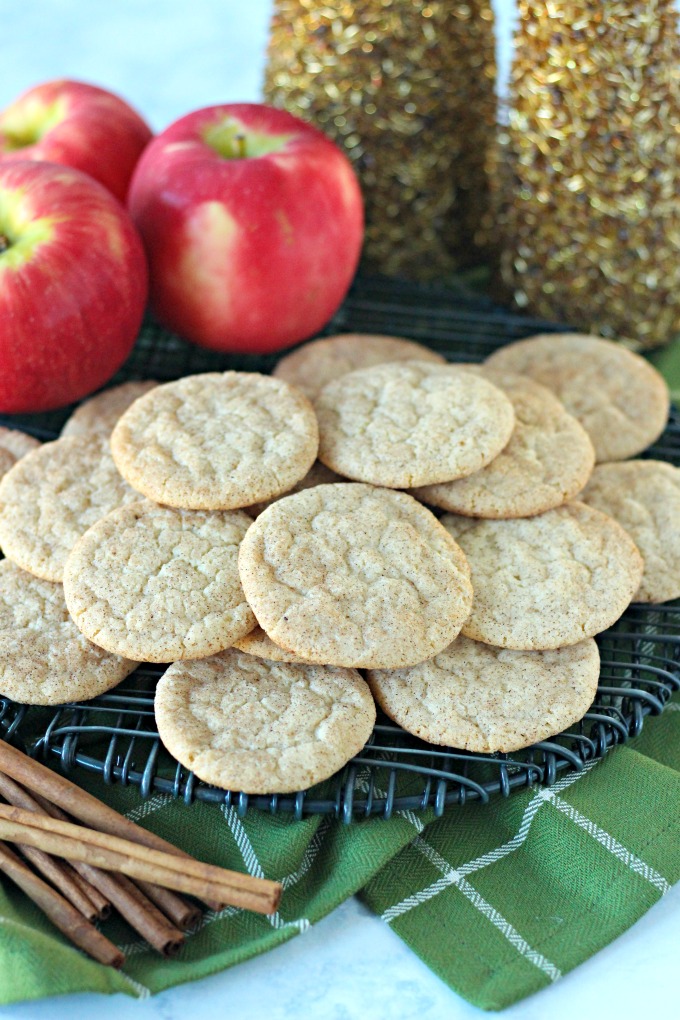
(166, 57)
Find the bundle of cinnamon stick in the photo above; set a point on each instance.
(93, 859)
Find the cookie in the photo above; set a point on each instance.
(159, 584)
(101, 412)
(44, 659)
(7, 461)
(644, 497)
(547, 581)
(619, 398)
(355, 576)
(318, 474)
(18, 443)
(411, 423)
(258, 643)
(52, 496)
(216, 441)
(319, 362)
(548, 460)
(247, 724)
(479, 698)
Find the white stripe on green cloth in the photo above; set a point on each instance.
(456, 876)
(609, 843)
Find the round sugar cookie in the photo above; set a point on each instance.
(52, 496)
(18, 443)
(411, 423)
(355, 576)
(247, 724)
(619, 398)
(216, 441)
(644, 497)
(548, 460)
(101, 412)
(547, 581)
(44, 659)
(257, 642)
(159, 584)
(479, 698)
(319, 362)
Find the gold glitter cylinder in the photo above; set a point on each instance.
(407, 88)
(589, 221)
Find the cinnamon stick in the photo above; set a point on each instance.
(183, 914)
(141, 914)
(61, 913)
(90, 889)
(79, 803)
(75, 842)
(59, 873)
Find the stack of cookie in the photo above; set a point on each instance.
(205, 533)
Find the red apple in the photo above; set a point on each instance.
(77, 125)
(252, 222)
(73, 285)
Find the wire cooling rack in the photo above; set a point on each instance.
(115, 735)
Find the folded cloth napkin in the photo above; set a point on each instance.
(493, 898)
(499, 900)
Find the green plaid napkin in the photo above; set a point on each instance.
(498, 900)
(492, 898)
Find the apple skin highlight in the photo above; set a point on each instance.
(73, 286)
(253, 224)
(78, 125)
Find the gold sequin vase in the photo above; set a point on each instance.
(407, 88)
(589, 217)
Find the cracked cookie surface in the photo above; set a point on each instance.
(619, 398)
(352, 575)
(479, 698)
(411, 423)
(44, 659)
(644, 497)
(548, 460)
(319, 362)
(158, 584)
(244, 723)
(216, 441)
(52, 496)
(100, 413)
(547, 581)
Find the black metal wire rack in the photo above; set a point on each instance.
(115, 735)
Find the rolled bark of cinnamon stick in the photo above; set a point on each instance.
(90, 889)
(182, 914)
(80, 804)
(58, 872)
(61, 913)
(112, 853)
(141, 914)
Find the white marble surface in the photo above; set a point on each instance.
(168, 57)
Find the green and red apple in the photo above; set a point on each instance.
(73, 285)
(252, 222)
(77, 125)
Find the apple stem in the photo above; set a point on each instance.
(4, 243)
(240, 145)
